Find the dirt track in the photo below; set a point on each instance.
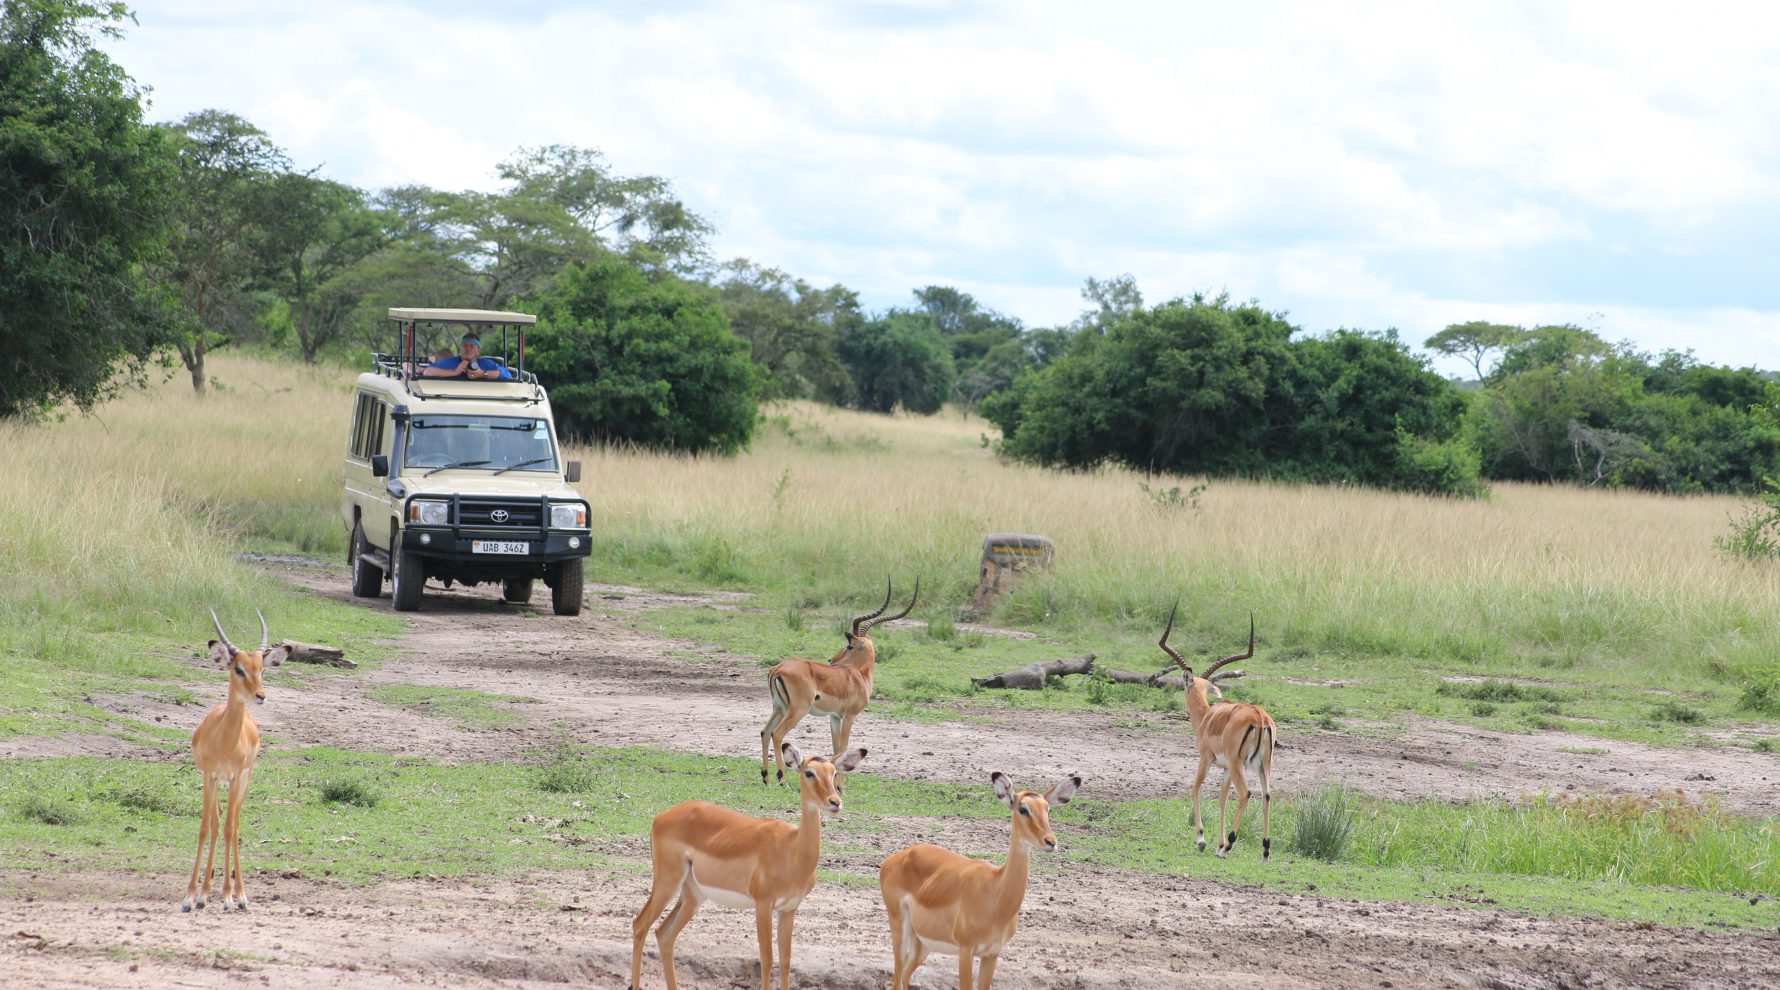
(1083, 927)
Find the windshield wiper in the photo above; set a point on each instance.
(447, 467)
(535, 460)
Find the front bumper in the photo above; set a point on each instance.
(456, 545)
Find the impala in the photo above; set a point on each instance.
(939, 901)
(707, 853)
(840, 688)
(1235, 736)
(225, 746)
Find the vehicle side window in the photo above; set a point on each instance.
(367, 427)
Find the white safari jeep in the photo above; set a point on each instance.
(459, 479)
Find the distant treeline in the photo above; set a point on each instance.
(129, 244)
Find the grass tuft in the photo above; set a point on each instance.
(349, 790)
(50, 811)
(1325, 824)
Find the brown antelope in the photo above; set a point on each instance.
(1233, 735)
(225, 746)
(939, 901)
(707, 853)
(840, 688)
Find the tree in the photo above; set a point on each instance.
(224, 166)
(1474, 341)
(791, 328)
(644, 360)
(312, 234)
(897, 360)
(1113, 300)
(83, 188)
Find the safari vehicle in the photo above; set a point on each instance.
(458, 480)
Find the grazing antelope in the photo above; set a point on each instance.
(939, 901)
(225, 746)
(707, 853)
(840, 688)
(1235, 736)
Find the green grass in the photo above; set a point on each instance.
(1643, 861)
(469, 709)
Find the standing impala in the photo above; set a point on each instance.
(1235, 736)
(707, 853)
(939, 901)
(225, 746)
(840, 688)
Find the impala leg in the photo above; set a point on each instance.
(794, 713)
(669, 933)
(232, 889)
(1267, 799)
(763, 930)
(785, 920)
(1241, 782)
(898, 939)
(840, 728)
(964, 960)
(215, 810)
(668, 876)
(767, 749)
(1223, 804)
(986, 972)
(191, 888)
(1198, 782)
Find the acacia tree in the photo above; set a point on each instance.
(1474, 341)
(82, 196)
(224, 165)
(313, 233)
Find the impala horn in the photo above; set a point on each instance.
(265, 634)
(222, 637)
(892, 618)
(857, 619)
(1240, 656)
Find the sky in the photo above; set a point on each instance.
(1374, 166)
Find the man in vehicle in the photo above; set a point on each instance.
(469, 363)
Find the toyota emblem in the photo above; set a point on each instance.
(498, 515)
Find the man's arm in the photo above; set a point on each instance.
(439, 369)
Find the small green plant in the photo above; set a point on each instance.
(564, 770)
(1099, 687)
(794, 619)
(941, 629)
(1762, 693)
(142, 798)
(349, 790)
(1675, 711)
(1483, 709)
(1325, 823)
(50, 811)
(1765, 746)
(780, 487)
(1756, 534)
(1173, 498)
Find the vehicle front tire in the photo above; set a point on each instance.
(367, 578)
(518, 590)
(565, 589)
(407, 576)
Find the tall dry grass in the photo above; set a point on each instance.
(828, 502)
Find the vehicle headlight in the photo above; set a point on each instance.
(568, 516)
(429, 513)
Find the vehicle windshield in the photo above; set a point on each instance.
(494, 443)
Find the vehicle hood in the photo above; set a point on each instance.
(470, 483)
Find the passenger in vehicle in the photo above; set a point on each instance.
(469, 363)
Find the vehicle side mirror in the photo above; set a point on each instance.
(573, 474)
(379, 465)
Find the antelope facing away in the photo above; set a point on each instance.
(225, 746)
(707, 853)
(1235, 736)
(939, 901)
(839, 689)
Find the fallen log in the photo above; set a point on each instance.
(332, 656)
(1033, 676)
(1127, 676)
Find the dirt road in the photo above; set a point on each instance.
(612, 684)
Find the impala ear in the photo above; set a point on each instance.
(219, 654)
(1212, 689)
(850, 760)
(277, 654)
(1004, 788)
(793, 758)
(1061, 793)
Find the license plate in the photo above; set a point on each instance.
(499, 546)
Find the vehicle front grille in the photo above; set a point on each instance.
(487, 512)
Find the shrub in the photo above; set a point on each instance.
(1762, 693)
(564, 770)
(1756, 534)
(347, 790)
(1325, 823)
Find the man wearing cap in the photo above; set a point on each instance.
(469, 363)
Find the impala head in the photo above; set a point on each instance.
(1032, 810)
(246, 666)
(859, 647)
(1206, 683)
(816, 775)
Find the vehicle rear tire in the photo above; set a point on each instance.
(565, 589)
(518, 590)
(367, 578)
(407, 576)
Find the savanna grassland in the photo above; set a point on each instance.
(1539, 610)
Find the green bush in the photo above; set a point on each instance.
(1325, 823)
(348, 790)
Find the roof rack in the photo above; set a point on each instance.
(406, 364)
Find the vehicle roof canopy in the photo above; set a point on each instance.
(460, 316)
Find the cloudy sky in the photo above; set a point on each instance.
(1368, 165)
